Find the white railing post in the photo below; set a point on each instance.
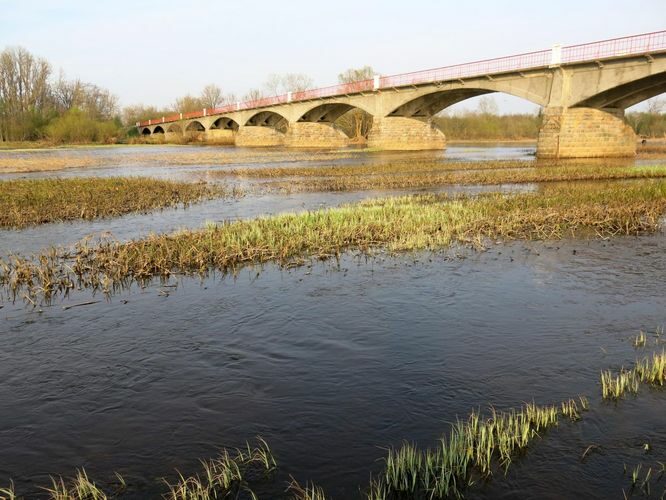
(289, 96)
(138, 124)
(238, 105)
(149, 121)
(162, 119)
(556, 55)
(375, 82)
(204, 110)
(181, 116)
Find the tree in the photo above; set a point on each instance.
(356, 74)
(488, 106)
(211, 96)
(289, 82)
(253, 95)
(356, 123)
(25, 94)
(187, 104)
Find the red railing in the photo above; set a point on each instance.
(605, 49)
(616, 47)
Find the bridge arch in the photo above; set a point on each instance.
(145, 131)
(268, 119)
(431, 101)
(158, 130)
(225, 123)
(175, 128)
(628, 94)
(195, 126)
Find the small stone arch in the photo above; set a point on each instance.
(195, 126)
(268, 119)
(225, 123)
(174, 128)
(145, 131)
(158, 130)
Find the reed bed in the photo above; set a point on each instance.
(429, 222)
(405, 166)
(227, 476)
(490, 176)
(90, 157)
(26, 202)
(650, 370)
(474, 449)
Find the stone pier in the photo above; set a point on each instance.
(255, 136)
(315, 135)
(585, 133)
(405, 134)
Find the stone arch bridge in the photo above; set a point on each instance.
(583, 90)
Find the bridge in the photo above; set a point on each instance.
(583, 89)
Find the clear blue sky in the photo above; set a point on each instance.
(152, 52)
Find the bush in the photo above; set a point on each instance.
(76, 126)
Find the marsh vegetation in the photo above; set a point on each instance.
(25, 202)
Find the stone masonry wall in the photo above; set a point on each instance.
(315, 135)
(399, 133)
(585, 133)
(251, 136)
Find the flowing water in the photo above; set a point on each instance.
(333, 362)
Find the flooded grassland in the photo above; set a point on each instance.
(428, 325)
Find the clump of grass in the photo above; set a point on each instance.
(308, 492)
(25, 202)
(8, 493)
(398, 224)
(79, 488)
(649, 370)
(615, 386)
(225, 476)
(640, 339)
(474, 447)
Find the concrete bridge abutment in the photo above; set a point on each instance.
(220, 136)
(397, 133)
(315, 135)
(585, 133)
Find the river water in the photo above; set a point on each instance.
(333, 362)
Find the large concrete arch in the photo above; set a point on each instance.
(626, 95)
(174, 128)
(268, 118)
(263, 128)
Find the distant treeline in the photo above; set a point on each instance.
(486, 126)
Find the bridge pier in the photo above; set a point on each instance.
(315, 135)
(585, 133)
(220, 136)
(398, 133)
(258, 136)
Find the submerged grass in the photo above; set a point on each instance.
(650, 370)
(25, 202)
(474, 449)
(398, 224)
(488, 176)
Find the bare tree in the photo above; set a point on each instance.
(25, 94)
(356, 123)
(356, 74)
(253, 95)
(289, 82)
(211, 96)
(488, 106)
(187, 104)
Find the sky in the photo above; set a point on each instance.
(153, 52)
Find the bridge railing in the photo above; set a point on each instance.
(477, 68)
(616, 47)
(605, 49)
